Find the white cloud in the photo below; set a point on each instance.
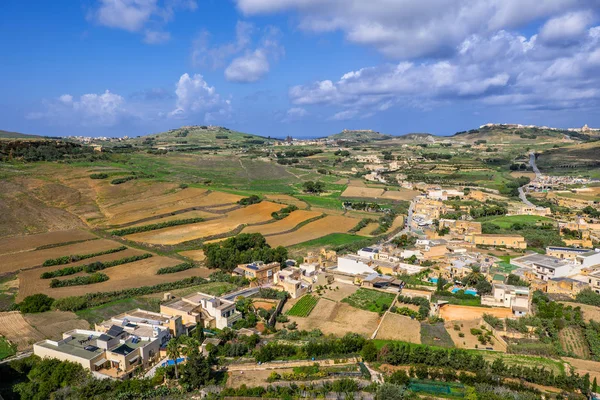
(138, 15)
(294, 114)
(412, 28)
(566, 29)
(194, 96)
(247, 62)
(104, 109)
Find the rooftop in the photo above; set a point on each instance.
(81, 344)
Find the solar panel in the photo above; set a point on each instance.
(90, 348)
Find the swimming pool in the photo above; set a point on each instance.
(472, 292)
(433, 280)
(171, 362)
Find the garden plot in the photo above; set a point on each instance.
(583, 367)
(31, 259)
(314, 230)
(31, 242)
(589, 312)
(399, 327)
(573, 341)
(31, 283)
(282, 225)
(370, 299)
(16, 329)
(304, 306)
(199, 200)
(451, 312)
(255, 213)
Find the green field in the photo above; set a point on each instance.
(506, 222)
(304, 306)
(212, 288)
(370, 300)
(98, 314)
(6, 349)
(333, 239)
(435, 335)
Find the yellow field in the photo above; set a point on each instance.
(286, 199)
(14, 327)
(314, 230)
(390, 328)
(356, 191)
(185, 215)
(196, 255)
(31, 242)
(402, 194)
(252, 214)
(30, 259)
(366, 231)
(282, 225)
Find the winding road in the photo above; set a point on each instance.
(538, 175)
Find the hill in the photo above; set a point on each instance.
(362, 136)
(17, 135)
(513, 134)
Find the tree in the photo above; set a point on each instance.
(441, 282)
(400, 378)
(196, 371)
(369, 351)
(388, 391)
(36, 303)
(174, 352)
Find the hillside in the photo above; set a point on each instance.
(17, 135)
(194, 136)
(362, 136)
(512, 134)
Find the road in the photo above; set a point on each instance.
(538, 175)
(407, 223)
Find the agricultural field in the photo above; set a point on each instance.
(314, 230)
(282, 225)
(400, 327)
(304, 306)
(35, 258)
(286, 199)
(370, 300)
(506, 222)
(195, 255)
(7, 349)
(573, 341)
(253, 214)
(435, 335)
(101, 313)
(451, 312)
(17, 330)
(589, 312)
(362, 192)
(19, 244)
(400, 194)
(52, 324)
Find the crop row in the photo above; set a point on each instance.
(93, 267)
(304, 306)
(78, 257)
(152, 227)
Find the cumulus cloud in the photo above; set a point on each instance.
(194, 96)
(566, 29)
(138, 15)
(412, 28)
(246, 62)
(104, 109)
(501, 69)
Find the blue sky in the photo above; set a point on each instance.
(306, 68)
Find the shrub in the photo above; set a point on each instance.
(495, 322)
(284, 212)
(78, 257)
(124, 179)
(152, 227)
(35, 303)
(80, 280)
(246, 201)
(176, 268)
(99, 176)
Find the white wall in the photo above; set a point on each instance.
(351, 266)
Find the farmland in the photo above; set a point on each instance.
(31, 242)
(573, 341)
(314, 230)
(370, 300)
(304, 306)
(283, 225)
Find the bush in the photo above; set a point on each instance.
(80, 280)
(246, 201)
(243, 248)
(35, 303)
(93, 267)
(124, 179)
(495, 322)
(284, 212)
(79, 257)
(176, 268)
(152, 227)
(99, 176)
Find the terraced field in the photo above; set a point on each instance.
(283, 225)
(314, 230)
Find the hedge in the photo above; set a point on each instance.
(176, 268)
(77, 257)
(80, 280)
(99, 176)
(124, 179)
(151, 227)
(284, 212)
(93, 267)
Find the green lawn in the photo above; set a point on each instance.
(212, 288)
(506, 267)
(98, 314)
(304, 306)
(370, 300)
(506, 222)
(6, 349)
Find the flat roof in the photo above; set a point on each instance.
(182, 305)
(78, 346)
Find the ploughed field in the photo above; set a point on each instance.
(314, 230)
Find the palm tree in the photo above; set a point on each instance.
(174, 352)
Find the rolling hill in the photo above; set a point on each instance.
(512, 134)
(17, 135)
(363, 136)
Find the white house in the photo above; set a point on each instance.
(355, 265)
(589, 259)
(517, 298)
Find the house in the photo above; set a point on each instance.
(378, 281)
(258, 272)
(533, 210)
(565, 286)
(517, 298)
(141, 323)
(460, 228)
(550, 269)
(589, 259)
(368, 252)
(291, 280)
(325, 258)
(508, 241)
(115, 353)
(204, 309)
(594, 280)
(567, 253)
(435, 249)
(444, 194)
(354, 265)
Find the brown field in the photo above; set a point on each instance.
(583, 367)
(151, 202)
(186, 215)
(469, 341)
(517, 174)
(196, 255)
(400, 327)
(16, 329)
(358, 191)
(366, 231)
(52, 324)
(200, 199)
(30, 282)
(589, 312)
(573, 341)
(451, 312)
(287, 199)
(252, 214)
(252, 378)
(282, 225)
(31, 242)
(398, 223)
(136, 274)
(314, 230)
(402, 194)
(30, 259)
(339, 291)
(264, 303)
(338, 319)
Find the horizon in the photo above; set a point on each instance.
(307, 69)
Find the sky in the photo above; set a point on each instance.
(305, 68)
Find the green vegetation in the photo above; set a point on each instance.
(93, 267)
(370, 300)
(246, 201)
(284, 212)
(99, 176)
(103, 312)
(118, 181)
(361, 224)
(304, 306)
(6, 349)
(175, 268)
(96, 277)
(79, 257)
(152, 227)
(421, 302)
(243, 248)
(435, 335)
(335, 240)
(35, 303)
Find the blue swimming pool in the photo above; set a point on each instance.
(472, 292)
(433, 280)
(171, 362)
